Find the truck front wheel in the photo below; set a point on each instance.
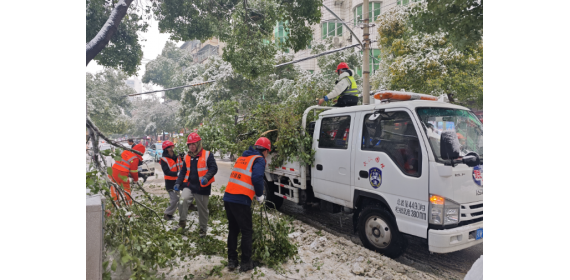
(276, 201)
(378, 232)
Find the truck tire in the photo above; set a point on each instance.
(270, 190)
(378, 232)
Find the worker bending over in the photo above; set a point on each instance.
(246, 181)
(129, 164)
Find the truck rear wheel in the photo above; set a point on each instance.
(378, 232)
(270, 190)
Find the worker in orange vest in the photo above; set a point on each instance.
(121, 169)
(195, 181)
(246, 181)
(170, 164)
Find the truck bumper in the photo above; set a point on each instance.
(455, 239)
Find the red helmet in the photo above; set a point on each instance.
(167, 144)
(193, 138)
(341, 65)
(263, 142)
(140, 148)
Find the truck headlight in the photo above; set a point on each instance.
(443, 211)
(451, 216)
(435, 217)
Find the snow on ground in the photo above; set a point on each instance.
(476, 271)
(321, 256)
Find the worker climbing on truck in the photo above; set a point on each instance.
(345, 92)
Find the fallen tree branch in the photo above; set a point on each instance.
(159, 218)
(91, 125)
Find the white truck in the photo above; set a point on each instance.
(409, 167)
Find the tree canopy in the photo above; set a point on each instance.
(152, 117)
(271, 106)
(123, 51)
(246, 27)
(167, 70)
(427, 63)
(461, 21)
(106, 101)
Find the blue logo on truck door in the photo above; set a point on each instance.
(375, 177)
(478, 175)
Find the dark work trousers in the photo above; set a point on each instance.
(346, 101)
(239, 218)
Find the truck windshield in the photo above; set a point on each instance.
(467, 126)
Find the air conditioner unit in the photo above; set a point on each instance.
(336, 42)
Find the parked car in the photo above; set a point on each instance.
(155, 151)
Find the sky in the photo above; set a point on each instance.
(155, 41)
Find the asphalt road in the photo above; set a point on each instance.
(450, 266)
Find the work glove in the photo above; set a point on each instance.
(176, 187)
(204, 181)
(260, 199)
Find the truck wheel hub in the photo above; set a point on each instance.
(377, 232)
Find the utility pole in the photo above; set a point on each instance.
(365, 54)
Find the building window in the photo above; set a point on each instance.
(373, 13)
(373, 62)
(280, 36)
(331, 29)
(406, 2)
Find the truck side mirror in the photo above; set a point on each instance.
(449, 145)
(471, 159)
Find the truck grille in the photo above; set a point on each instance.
(471, 213)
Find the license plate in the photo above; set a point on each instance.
(479, 234)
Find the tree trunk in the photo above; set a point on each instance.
(97, 44)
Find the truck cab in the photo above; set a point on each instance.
(410, 167)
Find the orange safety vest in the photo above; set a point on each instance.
(202, 168)
(240, 178)
(125, 163)
(174, 166)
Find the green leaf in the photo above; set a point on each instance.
(110, 171)
(114, 265)
(118, 158)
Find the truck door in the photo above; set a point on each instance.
(331, 172)
(392, 162)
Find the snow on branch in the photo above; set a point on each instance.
(102, 38)
(96, 130)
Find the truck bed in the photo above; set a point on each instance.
(289, 169)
